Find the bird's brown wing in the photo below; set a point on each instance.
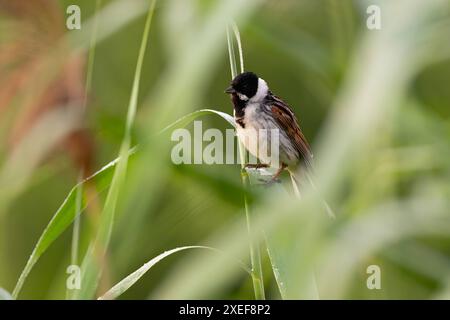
(288, 122)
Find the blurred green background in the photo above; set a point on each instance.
(379, 95)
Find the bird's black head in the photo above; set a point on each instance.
(245, 85)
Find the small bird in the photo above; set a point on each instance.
(257, 109)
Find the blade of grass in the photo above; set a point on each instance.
(255, 252)
(132, 278)
(92, 264)
(91, 56)
(182, 122)
(231, 55)
(237, 36)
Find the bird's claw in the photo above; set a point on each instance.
(255, 166)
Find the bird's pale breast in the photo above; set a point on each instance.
(259, 134)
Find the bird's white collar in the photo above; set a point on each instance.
(262, 91)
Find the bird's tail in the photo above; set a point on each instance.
(297, 185)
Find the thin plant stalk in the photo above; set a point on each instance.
(91, 57)
(76, 232)
(76, 227)
(255, 251)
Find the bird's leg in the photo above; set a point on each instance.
(255, 166)
(277, 174)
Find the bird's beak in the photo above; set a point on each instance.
(230, 90)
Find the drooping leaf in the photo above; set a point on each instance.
(132, 278)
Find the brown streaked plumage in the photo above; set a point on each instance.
(289, 123)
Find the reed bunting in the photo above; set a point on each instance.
(257, 110)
